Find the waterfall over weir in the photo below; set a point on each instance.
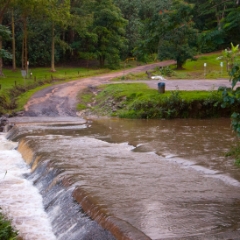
(19, 199)
(124, 179)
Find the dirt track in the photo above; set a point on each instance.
(60, 100)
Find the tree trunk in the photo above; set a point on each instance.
(22, 54)
(179, 65)
(101, 61)
(53, 51)
(13, 44)
(24, 45)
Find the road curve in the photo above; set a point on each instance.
(60, 100)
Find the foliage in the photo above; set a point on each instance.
(84, 98)
(231, 97)
(209, 17)
(6, 230)
(4, 35)
(230, 56)
(231, 23)
(166, 71)
(147, 45)
(15, 91)
(109, 28)
(235, 152)
(178, 37)
(209, 40)
(193, 69)
(130, 11)
(138, 101)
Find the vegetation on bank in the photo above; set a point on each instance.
(136, 100)
(192, 69)
(16, 90)
(6, 230)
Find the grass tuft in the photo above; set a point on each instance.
(6, 230)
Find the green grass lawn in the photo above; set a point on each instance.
(192, 69)
(204, 67)
(11, 78)
(137, 100)
(37, 80)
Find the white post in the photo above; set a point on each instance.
(27, 69)
(205, 68)
(221, 65)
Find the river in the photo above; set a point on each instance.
(138, 179)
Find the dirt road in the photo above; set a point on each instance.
(60, 100)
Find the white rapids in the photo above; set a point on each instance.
(20, 201)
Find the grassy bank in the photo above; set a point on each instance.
(16, 90)
(191, 70)
(137, 100)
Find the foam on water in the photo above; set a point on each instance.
(19, 199)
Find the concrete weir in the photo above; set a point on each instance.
(107, 179)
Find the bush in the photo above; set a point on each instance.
(6, 230)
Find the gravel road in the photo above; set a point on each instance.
(60, 100)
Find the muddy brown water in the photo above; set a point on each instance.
(139, 179)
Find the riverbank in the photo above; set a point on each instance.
(137, 100)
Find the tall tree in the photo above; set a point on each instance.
(5, 35)
(109, 27)
(231, 24)
(130, 11)
(78, 36)
(58, 12)
(149, 13)
(177, 37)
(14, 67)
(209, 16)
(4, 4)
(26, 8)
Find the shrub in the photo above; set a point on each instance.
(6, 230)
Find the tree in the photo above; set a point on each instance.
(147, 46)
(5, 35)
(231, 24)
(209, 18)
(58, 13)
(231, 97)
(229, 56)
(109, 27)
(177, 36)
(130, 11)
(26, 8)
(4, 4)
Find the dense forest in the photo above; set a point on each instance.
(49, 32)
